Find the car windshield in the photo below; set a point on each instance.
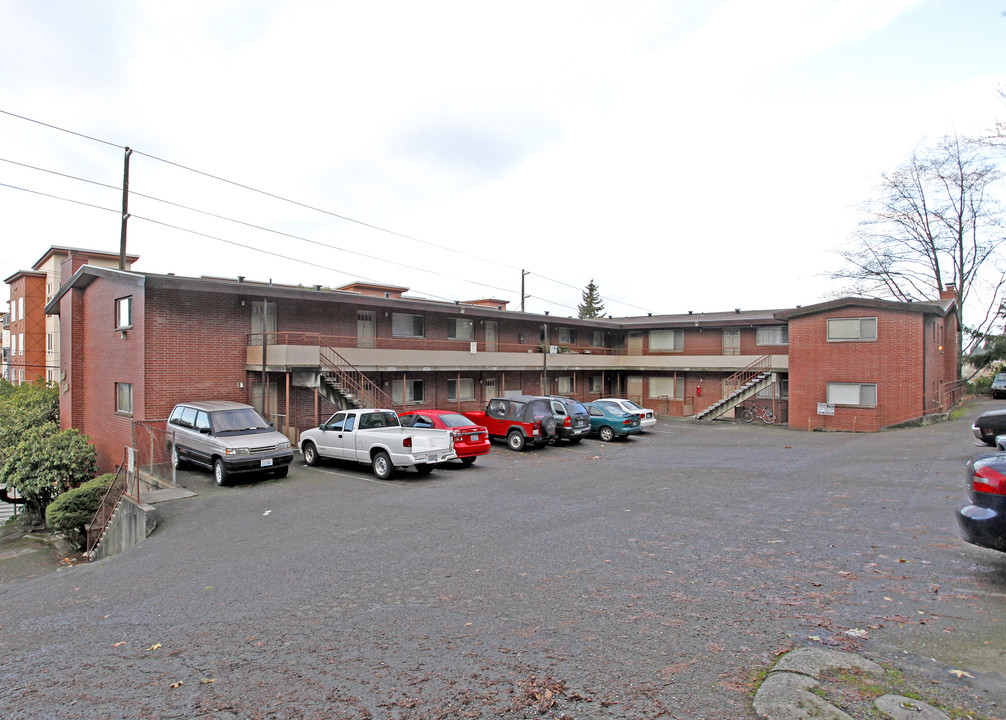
(575, 408)
(454, 420)
(1000, 378)
(238, 420)
(631, 405)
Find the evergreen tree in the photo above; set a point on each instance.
(592, 306)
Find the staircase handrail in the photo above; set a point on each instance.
(353, 378)
(102, 516)
(741, 377)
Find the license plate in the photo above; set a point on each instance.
(266, 462)
(474, 438)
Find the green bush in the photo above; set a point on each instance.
(981, 385)
(73, 510)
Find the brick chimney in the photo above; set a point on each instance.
(949, 292)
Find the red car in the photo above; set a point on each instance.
(470, 440)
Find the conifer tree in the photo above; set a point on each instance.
(592, 305)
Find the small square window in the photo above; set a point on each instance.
(460, 329)
(124, 398)
(467, 389)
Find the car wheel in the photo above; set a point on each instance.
(467, 460)
(606, 434)
(310, 454)
(219, 472)
(176, 460)
(515, 440)
(424, 469)
(281, 473)
(383, 468)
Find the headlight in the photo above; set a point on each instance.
(283, 445)
(237, 451)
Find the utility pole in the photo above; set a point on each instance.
(523, 297)
(544, 360)
(125, 209)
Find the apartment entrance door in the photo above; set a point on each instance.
(491, 391)
(263, 321)
(635, 342)
(366, 325)
(731, 342)
(491, 336)
(634, 388)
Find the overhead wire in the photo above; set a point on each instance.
(303, 205)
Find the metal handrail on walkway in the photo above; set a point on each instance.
(353, 379)
(102, 516)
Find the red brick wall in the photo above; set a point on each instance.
(894, 362)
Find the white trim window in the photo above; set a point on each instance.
(565, 384)
(667, 340)
(460, 329)
(669, 387)
(48, 344)
(596, 384)
(413, 391)
(466, 386)
(774, 335)
(409, 326)
(124, 398)
(853, 394)
(124, 313)
(862, 329)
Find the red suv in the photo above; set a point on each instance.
(521, 420)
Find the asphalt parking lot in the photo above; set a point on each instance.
(640, 579)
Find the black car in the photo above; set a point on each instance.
(988, 425)
(572, 422)
(982, 517)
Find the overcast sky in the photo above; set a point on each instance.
(685, 155)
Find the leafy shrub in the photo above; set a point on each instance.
(981, 385)
(73, 510)
(24, 407)
(46, 462)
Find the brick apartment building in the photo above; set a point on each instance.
(134, 344)
(32, 351)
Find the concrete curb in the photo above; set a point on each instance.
(786, 693)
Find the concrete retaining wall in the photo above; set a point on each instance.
(131, 523)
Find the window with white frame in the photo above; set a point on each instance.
(413, 391)
(13, 345)
(778, 390)
(124, 398)
(404, 325)
(670, 387)
(124, 313)
(597, 338)
(459, 389)
(565, 384)
(775, 335)
(595, 383)
(13, 310)
(460, 329)
(48, 343)
(852, 329)
(20, 307)
(20, 343)
(565, 336)
(667, 340)
(861, 394)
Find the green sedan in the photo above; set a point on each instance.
(608, 420)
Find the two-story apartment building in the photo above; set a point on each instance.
(134, 344)
(34, 336)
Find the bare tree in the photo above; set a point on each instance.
(934, 225)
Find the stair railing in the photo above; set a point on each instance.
(369, 392)
(102, 516)
(740, 378)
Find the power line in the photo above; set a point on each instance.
(296, 203)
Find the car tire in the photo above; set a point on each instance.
(606, 433)
(176, 460)
(467, 460)
(424, 470)
(219, 472)
(548, 426)
(310, 454)
(383, 468)
(281, 473)
(516, 441)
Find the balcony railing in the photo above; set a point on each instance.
(403, 343)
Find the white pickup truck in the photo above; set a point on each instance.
(377, 437)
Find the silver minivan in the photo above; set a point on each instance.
(228, 438)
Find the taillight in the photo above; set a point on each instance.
(407, 442)
(566, 422)
(628, 421)
(457, 435)
(988, 480)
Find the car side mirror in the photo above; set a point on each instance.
(204, 430)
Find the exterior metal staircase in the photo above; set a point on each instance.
(740, 386)
(345, 386)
